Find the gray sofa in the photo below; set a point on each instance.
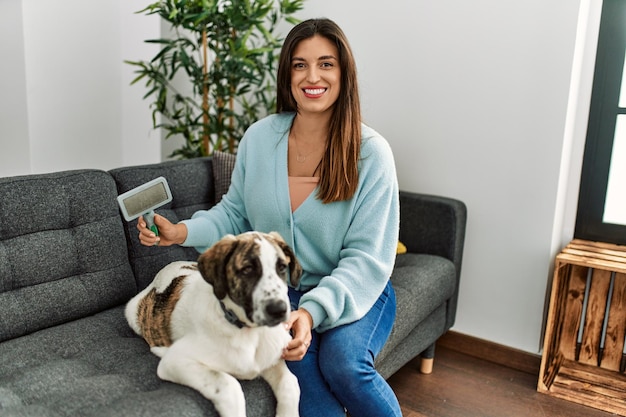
(69, 263)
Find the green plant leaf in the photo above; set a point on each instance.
(239, 82)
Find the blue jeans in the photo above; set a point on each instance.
(338, 370)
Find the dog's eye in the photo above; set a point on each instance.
(246, 270)
(281, 267)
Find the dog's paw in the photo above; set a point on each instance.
(159, 350)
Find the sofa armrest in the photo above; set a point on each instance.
(434, 225)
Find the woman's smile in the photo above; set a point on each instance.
(313, 92)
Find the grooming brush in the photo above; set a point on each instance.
(143, 200)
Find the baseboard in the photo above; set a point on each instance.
(490, 351)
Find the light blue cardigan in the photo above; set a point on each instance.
(346, 249)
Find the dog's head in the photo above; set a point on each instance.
(251, 270)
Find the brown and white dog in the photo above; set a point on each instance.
(220, 319)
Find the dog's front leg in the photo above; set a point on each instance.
(221, 388)
(286, 389)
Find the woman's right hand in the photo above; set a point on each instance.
(169, 233)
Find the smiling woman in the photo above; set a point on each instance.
(343, 309)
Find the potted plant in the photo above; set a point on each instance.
(216, 74)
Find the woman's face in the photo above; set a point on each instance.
(315, 75)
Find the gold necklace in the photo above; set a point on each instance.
(299, 157)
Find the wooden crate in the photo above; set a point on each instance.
(584, 353)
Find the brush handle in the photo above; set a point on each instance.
(149, 218)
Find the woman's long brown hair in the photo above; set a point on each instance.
(339, 174)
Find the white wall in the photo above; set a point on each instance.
(474, 97)
(14, 144)
(67, 103)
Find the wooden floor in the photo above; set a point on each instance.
(465, 386)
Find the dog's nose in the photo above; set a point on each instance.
(276, 309)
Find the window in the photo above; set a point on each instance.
(601, 212)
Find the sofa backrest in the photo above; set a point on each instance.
(62, 250)
(193, 188)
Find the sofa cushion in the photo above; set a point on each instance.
(223, 166)
(422, 284)
(191, 183)
(97, 366)
(62, 250)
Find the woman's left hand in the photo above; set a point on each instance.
(300, 323)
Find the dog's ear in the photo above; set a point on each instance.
(212, 264)
(295, 270)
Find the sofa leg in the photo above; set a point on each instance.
(426, 365)
(428, 357)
